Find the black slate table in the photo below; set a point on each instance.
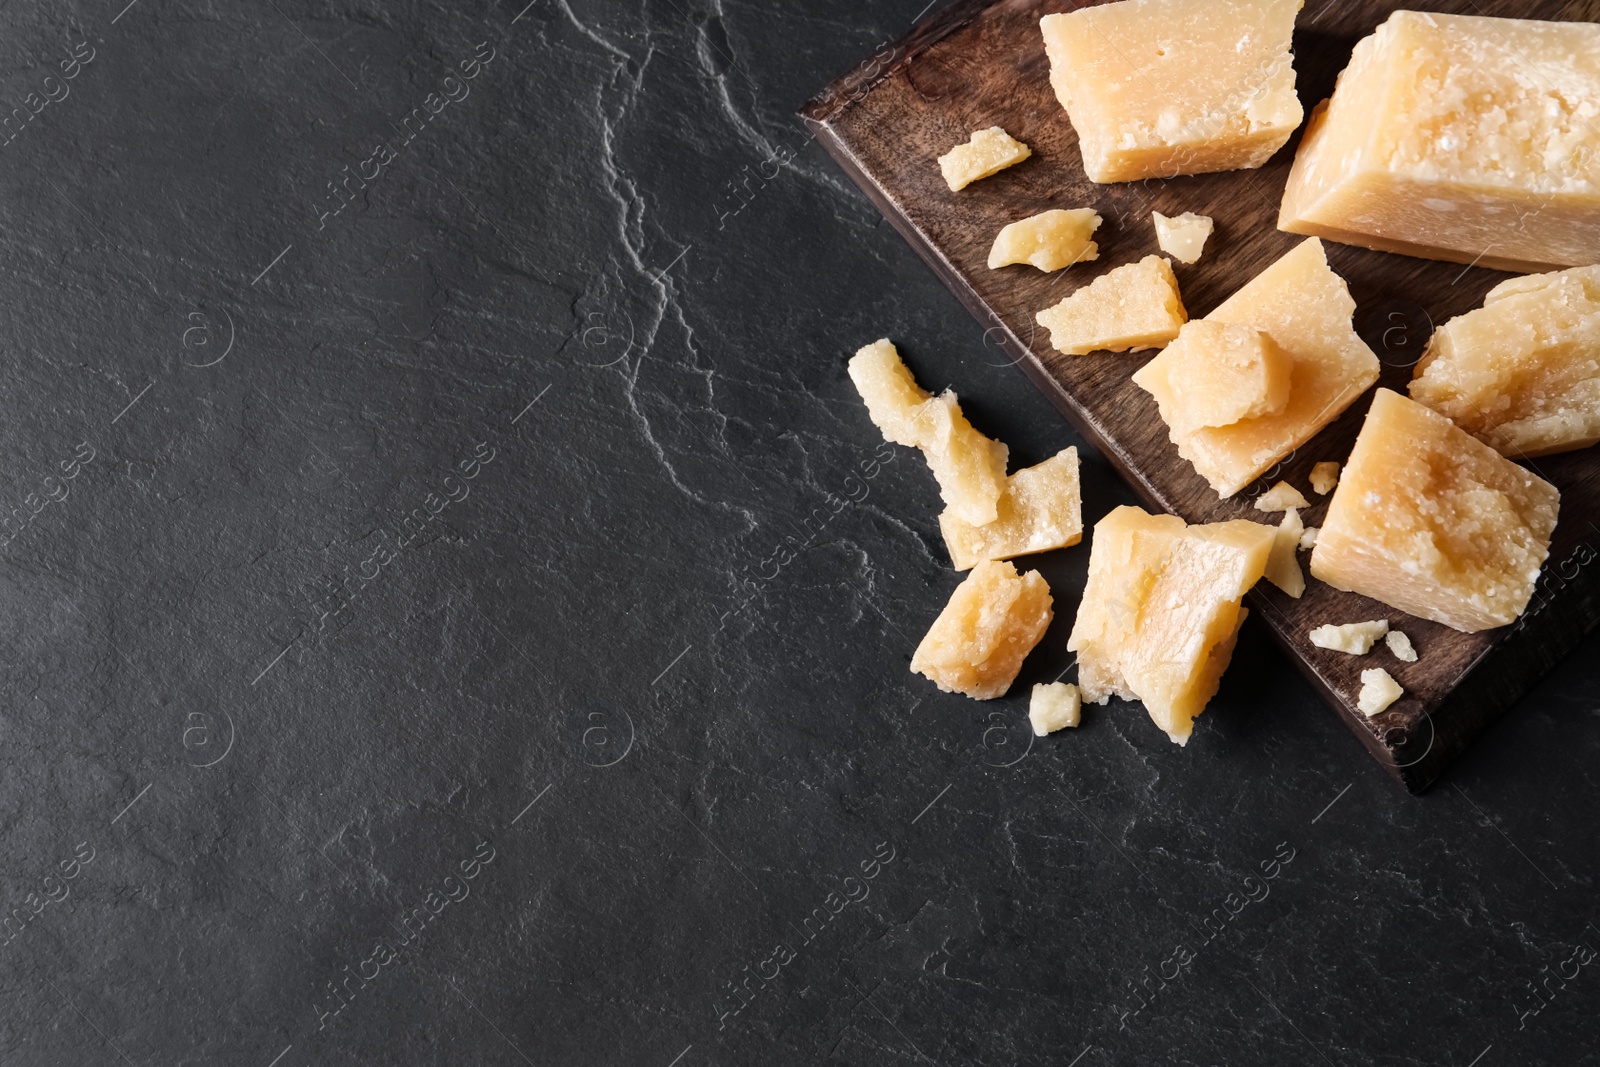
(457, 611)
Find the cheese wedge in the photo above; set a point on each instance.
(1134, 306)
(1041, 509)
(1049, 241)
(977, 644)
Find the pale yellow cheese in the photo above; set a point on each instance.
(1041, 509)
(977, 644)
(1459, 137)
(1158, 88)
(1049, 241)
(1126, 553)
(988, 152)
(892, 395)
(1134, 306)
(1308, 540)
(1324, 477)
(1307, 310)
(1401, 646)
(1354, 638)
(1225, 372)
(1183, 237)
(1522, 373)
(1430, 520)
(1053, 707)
(1378, 691)
(1283, 566)
(1281, 497)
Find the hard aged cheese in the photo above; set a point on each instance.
(1463, 138)
(1378, 691)
(1307, 310)
(1158, 88)
(1522, 373)
(1324, 476)
(988, 152)
(1355, 638)
(977, 644)
(1224, 372)
(1054, 707)
(1281, 497)
(892, 395)
(1429, 520)
(1401, 646)
(1040, 510)
(1049, 241)
(1134, 306)
(1283, 566)
(1183, 237)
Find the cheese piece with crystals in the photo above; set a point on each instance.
(892, 395)
(1307, 310)
(1281, 497)
(1324, 476)
(1308, 540)
(1355, 638)
(1135, 306)
(1224, 372)
(1041, 509)
(1522, 373)
(1432, 521)
(1158, 88)
(1183, 237)
(1378, 691)
(1161, 611)
(1462, 138)
(988, 152)
(1283, 566)
(977, 644)
(1401, 646)
(1054, 707)
(1050, 241)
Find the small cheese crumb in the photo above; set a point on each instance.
(1135, 306)
(1281, 497)
(1356, 638)
(1378, 691)
(1050, 241)
(1283, 569)
(1308, 540)
(1401, 646)
(1325, 477)
(988, 152)
(1054, 707)
(1183, 238)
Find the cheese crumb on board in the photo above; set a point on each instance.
(1281, 497)
(1054, 707)
(892, 395)
(1041, 509)
(1158, 88)
(977, 644)
(1308, 540)
(1401, 646)
(988, 152)
(1522, 373)
(1224, 372)
(1324, 477)
(1461, 138)
(1161, 611)
(1134, 306)
(1050, 241)
(1378, 691)
(1183, 237)
(1356, 638)
(1307, 309)
(1429, 520)
(1283, 566)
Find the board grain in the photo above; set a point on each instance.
(981, 63)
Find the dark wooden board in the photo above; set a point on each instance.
(981, 63)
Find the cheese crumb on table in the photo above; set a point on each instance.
(1401, 646)
(1183, 237)
(1522, 373)
(1378, 691)
(1281, 497)
(977, 644)
(1041, 509)
(1430, 520)
(1158, 88)
(1308, 540)
(1356, 638)
(1325, 477)
(1054, 707)
(1135, 306)
(1283, 567)
(1050, 241)
(1222, 372)
(988, 152)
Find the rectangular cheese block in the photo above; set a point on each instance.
(1430, 520)
(1040, 510)
(1462, 138)
(1158, 88)
(1521, 373)
(977, 644)
(1307, 310)
(1134, 306)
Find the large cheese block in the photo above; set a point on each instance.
(977, 644)
(1307, 310)
(1158, 88)
(1463, 138)
(1430, 520)
(1521, 373)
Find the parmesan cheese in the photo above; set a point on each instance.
(1356, 638)
(1041, 509)
(987, 152)
(1378, 691)
(1049, 241)
(1183, 237)
(1054, 707)
(977, 644)
(1135, 306)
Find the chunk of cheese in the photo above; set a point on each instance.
(1225, 372)
(1049, 241)
(892, 395)
(1184, 236)
(1401, 646)
(1134, 306)
(1283, 566)
(1041, 509)
(1158, 88)
(1308, 540)
(1378, 691)
(1430, 520)
(1307, 310)
(1054, 707)
(1355, 638)
(1324, 477)
(977, 644)
(1462, 138)
(1281, 497)
(987, 152)
(1522, 373)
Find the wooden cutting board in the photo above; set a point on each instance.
(982, 63)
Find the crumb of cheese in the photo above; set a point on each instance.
(1325, 477)
(1401, 646)
(1281, 497)
(1378, 691)
(1050, 241)
(987, 152)
(1054, 707)
(1135, 306)
(1308, 540)
(1283, 569)
(1356, 638)
(1184, 237)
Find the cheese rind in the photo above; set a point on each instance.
(1183, 237)
(1355, 638)
(1225, 372)
(1521, 373)
(1378, 691)
(1053, 707)
(1158, 88)
(1050, 241)
(1041, 509)
(993, 620)
(1462, 138)
(1432, 521)
(1134, 306)
(987, 152)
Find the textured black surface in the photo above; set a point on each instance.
(518, 520)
